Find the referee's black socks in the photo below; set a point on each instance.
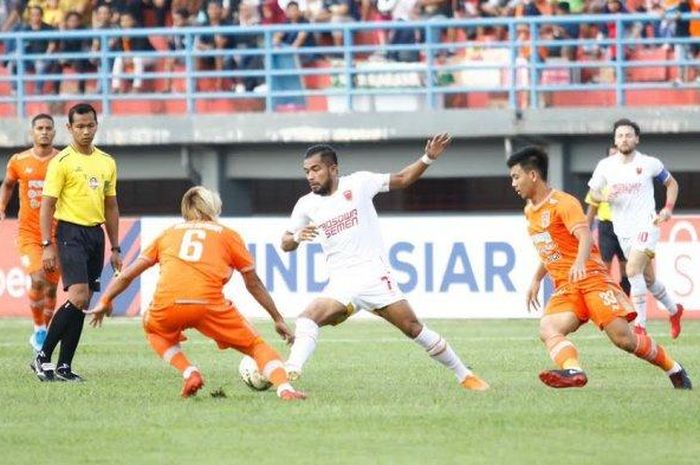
(66, 327)
(71, 334)
(60, 321)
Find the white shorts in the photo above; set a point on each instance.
(643, 241)
(370, 289)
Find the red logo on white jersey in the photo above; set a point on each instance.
(348, 195)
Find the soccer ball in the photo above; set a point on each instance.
(251, 376)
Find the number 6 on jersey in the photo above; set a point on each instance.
(192, 245)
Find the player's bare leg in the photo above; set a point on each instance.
(320, 312)
(553, 331)
(658, 290)
(636, 264)
(647, 349)
(36, 304)
(401, 315)
(49, 302)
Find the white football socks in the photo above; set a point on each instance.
(440, 351)
(305, 337)
(660, 294)
(638, 293)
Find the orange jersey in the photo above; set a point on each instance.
(30, 171)
(551, 225)
(196, 261)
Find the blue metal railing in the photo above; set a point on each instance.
(512, 66)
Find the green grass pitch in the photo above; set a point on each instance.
(374, 398)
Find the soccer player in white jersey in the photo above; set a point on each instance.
(339, 212)
(629, 177)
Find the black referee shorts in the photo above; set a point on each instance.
(608, 243)
(81, 252)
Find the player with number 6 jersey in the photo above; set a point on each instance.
(340, 213)
(197, 258)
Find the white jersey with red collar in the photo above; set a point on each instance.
(347, 221)
(630, 181)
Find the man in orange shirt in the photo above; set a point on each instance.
(196, 260)
(28, 168)
(583, 288)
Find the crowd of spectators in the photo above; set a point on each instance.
(47, 15)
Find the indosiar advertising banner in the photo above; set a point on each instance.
(447, 266)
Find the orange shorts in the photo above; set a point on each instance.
(30, 253)
(596, 298)
(220, 322)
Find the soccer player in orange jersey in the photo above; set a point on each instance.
(28, 169)
(583, 288)
(196, 260)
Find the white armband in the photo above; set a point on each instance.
(297, 236)
(426, 159)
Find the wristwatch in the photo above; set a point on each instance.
(46, 243)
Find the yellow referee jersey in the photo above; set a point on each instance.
(604, 211)
(80, 183)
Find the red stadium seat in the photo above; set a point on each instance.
(317, 103)
(136, 107)
(34, 108)
(5, 86)
(318, 81)
(648, 73)
(226, 106)
(219, 106)
(478, 99)
(175, 107)
(662, 97)
(592, 98)
(8, 110)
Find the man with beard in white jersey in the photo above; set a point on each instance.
(340, 212)
(629, 177)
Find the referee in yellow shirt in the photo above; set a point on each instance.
(608, 242)
(80, 192)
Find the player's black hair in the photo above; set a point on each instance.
(327, 153)
(530, 158)
(184, 12)
(73, 13)
(81, 109)
(41, 116)
(626, 122)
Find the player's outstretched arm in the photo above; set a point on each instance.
(258, 290)
(290, 241)
(116, 287)
(591, 212)
(8, 185)
(410, 174)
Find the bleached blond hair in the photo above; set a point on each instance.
(200, 204)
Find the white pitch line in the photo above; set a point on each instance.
(340, 340)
